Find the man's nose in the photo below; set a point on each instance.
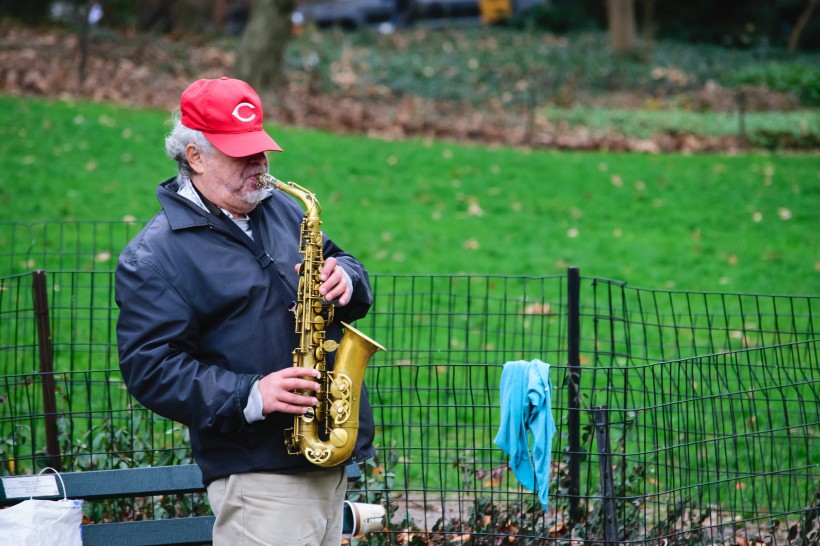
(258, 158)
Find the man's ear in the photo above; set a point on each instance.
(194, 157)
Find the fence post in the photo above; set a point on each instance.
(574, 411)
(46, 350)
(607, 484)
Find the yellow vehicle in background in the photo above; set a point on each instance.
(495, 11)
(386, 14)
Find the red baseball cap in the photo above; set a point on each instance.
(229, 114)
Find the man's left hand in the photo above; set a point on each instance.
(336, 283)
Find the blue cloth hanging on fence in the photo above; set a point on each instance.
(526, 404)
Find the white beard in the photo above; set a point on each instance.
(255, 196)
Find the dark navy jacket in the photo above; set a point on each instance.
(200, 320)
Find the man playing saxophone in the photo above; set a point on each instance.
(206, 328)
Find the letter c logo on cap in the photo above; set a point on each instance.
(238, 116)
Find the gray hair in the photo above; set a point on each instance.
(178, 139)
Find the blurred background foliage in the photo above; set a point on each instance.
(732, 23)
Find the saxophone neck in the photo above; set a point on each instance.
(303, 195)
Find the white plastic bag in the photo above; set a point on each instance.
(36, 522)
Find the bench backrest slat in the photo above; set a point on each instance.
(134, 482)
(125, 483)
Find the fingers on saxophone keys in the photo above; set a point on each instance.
(336, 292)
(301, 400)
(307, 384)
(296, 409)
(296, 384)
(301, 372)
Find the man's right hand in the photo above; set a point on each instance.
(277, 390)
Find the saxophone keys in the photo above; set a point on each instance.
(318, 335)
(341, 386)
(338, 437)
(340, 412)
(329, 345)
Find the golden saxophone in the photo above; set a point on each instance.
(326, 435)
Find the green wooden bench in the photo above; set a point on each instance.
(99, 485)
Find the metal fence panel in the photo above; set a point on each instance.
(697, 417)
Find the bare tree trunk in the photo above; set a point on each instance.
(193, 16)
(186, 16)
(648, 28)
(261, 54)
(84, 25)
(621, 22)
(648, 21)
(794, 37)
(219, 15)
(155, 15)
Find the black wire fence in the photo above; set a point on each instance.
(681, 417)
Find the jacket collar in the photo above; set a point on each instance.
(181, 212)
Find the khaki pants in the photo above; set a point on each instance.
(270, 509)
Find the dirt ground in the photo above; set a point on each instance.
(151, 71)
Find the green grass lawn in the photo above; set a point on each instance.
(743, 223)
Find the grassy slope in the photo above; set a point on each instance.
(745, 223)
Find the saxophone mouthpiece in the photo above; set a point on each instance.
(266, 182)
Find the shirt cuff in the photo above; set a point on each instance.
(253, 409)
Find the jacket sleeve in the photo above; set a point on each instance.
(156, 333)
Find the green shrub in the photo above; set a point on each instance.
(801, 79)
